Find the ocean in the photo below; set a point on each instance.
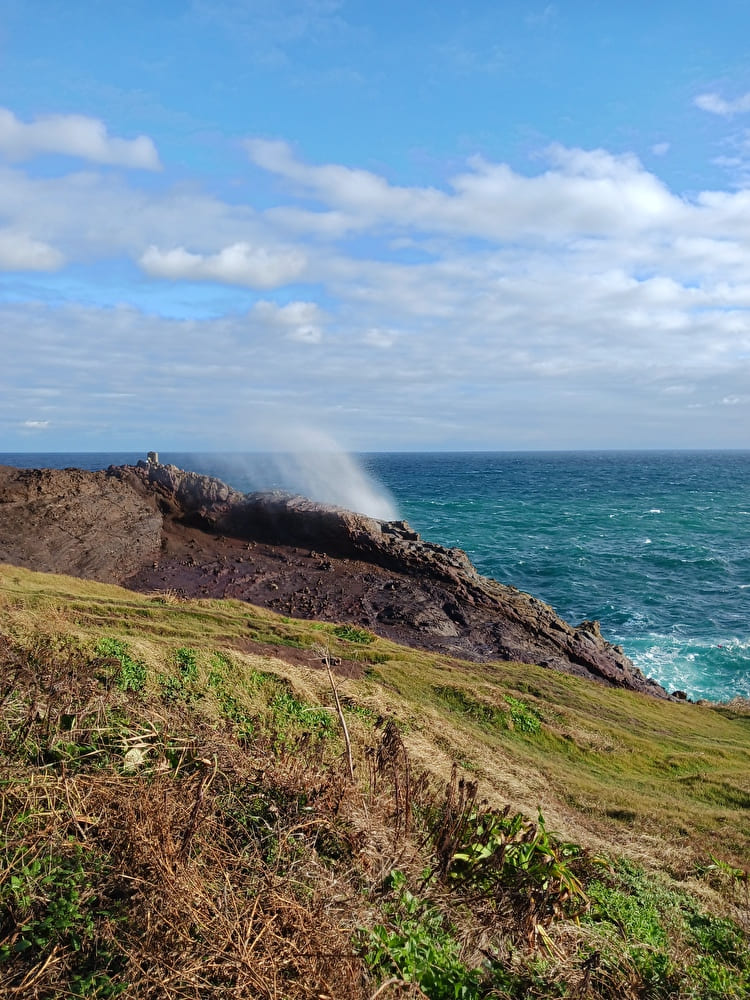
(655, 545)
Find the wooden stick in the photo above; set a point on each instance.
(342, 720)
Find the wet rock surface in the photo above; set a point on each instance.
(153, 527)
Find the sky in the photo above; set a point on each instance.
(244, 224)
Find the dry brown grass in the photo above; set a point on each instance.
(201, 897)
(209, 866)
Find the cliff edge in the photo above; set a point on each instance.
(157, 527)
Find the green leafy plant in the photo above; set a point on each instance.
(650, 916)
(187, 664)
(524, 718)
(52, 900)
(290, 713)
(496, 849)
(415, 944)
(180, 688)
(132, 673)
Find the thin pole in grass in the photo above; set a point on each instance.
(340, 712)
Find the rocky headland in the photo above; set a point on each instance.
(154, 527)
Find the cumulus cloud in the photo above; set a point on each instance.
(19, 252)
(53, 209)
(73, 135)
(300, 321)
(585, 191)
(238, 264)
(717, 105)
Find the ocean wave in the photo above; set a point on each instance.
(703, 668)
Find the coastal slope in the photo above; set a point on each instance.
(155, 527)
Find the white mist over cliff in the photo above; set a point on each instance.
(310, 462)
(307, 461)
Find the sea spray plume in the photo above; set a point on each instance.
(305, 461)
(319, 469)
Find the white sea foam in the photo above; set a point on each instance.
(702, 667)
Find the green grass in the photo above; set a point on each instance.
(415, 944)
(656, 921)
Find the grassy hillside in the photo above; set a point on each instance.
(179, 817)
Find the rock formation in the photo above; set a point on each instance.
(154, 527)
(87, 524)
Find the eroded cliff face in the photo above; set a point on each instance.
(86, 524)
(155, 527)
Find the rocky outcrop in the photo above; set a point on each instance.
(86, 524)
(156, 527)
(189, 496)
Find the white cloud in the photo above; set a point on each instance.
(73, 135)
(36, 425)
(377, 337)
(544, 349)
(300, 321)
(55, 209)
(717, 105)
(19, 252)
(660, 148)
(586, 191)
(238, 264)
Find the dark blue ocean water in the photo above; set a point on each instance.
(656, 545)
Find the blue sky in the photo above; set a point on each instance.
(234, 225)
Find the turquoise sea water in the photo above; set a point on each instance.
(656, 545)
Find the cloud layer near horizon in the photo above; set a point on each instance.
(582, 304)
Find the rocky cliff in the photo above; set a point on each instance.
(87, 524)
(154, 527)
